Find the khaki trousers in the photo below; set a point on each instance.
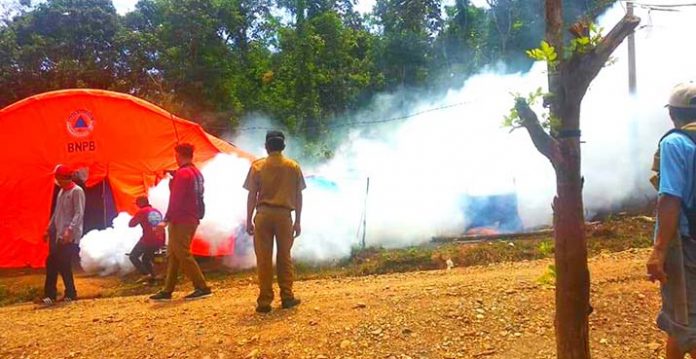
(270, 223)
(179, 255)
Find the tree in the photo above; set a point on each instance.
(569, 77)
(462, 43)
(409, 29)
(323, 68)
(199, 58)
(59, 44)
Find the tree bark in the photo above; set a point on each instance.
(572, 274)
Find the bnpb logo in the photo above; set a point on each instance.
(80, 123)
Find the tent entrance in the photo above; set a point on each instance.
(100, 209)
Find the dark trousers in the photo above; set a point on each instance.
(59, 261)
(144, 265)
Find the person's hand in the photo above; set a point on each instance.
(656, 265)
(162, 224)
(250, 228)
(67, 236)
(297, 228)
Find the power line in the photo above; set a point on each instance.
(363, 123)
(659, 7)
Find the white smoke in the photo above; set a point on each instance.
(104, 252)
(420, 168)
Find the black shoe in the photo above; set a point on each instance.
(263, 309)
(161, 297)
(199, 294)
(287, 304)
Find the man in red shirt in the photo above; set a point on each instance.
(186, 209)
(152, 239)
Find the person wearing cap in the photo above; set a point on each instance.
(148, 218)
(63, 236)
(186, 209)
(672, 261)
(275, 185)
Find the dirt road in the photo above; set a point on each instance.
(498, 311)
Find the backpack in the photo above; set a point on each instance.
(199, 189)
(155, 218)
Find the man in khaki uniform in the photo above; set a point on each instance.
(275, 185)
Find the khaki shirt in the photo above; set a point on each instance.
(277, 179)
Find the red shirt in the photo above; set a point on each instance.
(185, 189)
(148, 218)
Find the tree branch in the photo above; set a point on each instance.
(592, 62)
(544, 143)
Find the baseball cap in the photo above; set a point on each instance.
(63, 171)
(683, 96)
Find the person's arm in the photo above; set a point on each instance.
(251, 184)
(251, 205)
(668, 210)
(136, 219)
(297, 227)
(301, 185)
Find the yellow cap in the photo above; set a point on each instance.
(683, 96)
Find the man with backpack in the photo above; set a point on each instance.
(148, 219)
(186, 209)
(673, 258)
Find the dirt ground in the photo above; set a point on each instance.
(496, 311)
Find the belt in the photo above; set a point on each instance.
(269, 208)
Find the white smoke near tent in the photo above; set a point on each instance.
(421, 168)
(103, 252)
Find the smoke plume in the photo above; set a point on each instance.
(421, 170)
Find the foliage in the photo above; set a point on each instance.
(303, 63)
(549, 277)
(512, 119)
(584, 44)
(545, 52)
(546, 248)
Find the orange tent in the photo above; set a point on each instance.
(124, 142)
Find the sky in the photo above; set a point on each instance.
(124, 6)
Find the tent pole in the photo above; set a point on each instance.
(176, 132)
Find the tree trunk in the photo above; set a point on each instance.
(572, 275)
(570, 254)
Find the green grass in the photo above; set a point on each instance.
(614, 235)
(26, 294)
